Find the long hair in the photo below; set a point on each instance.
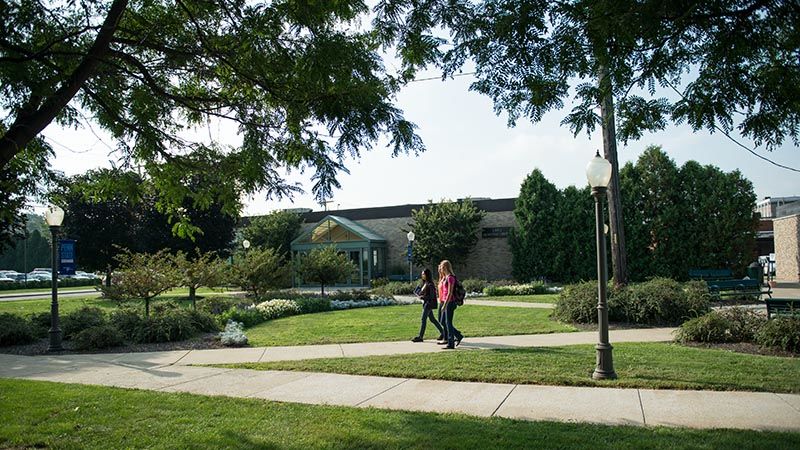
(428, 276)
(445, 269)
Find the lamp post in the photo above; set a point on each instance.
(410, 237)
(54, 216)
(599, 174)
(246, 245)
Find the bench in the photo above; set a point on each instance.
(732, 288)
(783, 307)
(710, 274)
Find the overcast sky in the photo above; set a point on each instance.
(471, 152)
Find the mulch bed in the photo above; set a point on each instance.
(200, 342)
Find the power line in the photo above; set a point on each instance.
(440, 78)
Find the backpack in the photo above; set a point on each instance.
(459, 293)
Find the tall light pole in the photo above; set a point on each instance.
(245, 245)
(410, 237)
(599, 174)
(54, 216)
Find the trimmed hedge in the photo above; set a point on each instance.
(516, 289)
(44, 284)
(721, 326)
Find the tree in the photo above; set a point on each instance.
(534, 244)
(259, 270)
(445, 230)
(741, 56)
(203, 269)
(31, 250)
(303, 87)
(576, 257)
(144, 276)
(276, 230)
(324, 265)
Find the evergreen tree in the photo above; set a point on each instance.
(534, 245)
(276, 230)
(576, 255)
(445, 230)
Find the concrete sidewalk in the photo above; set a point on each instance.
(643, 407)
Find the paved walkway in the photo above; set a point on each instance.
(171, 372)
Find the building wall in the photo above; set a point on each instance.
(491, 258)
(787, 248)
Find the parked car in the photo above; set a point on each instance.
(6, 280)
(39, 276)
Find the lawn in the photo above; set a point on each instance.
(638, 365)
(396, 323)
(47, 415)
(68, 304)
(543, 298)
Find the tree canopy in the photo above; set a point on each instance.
(275, 230)
(303, 86)
(445, 230)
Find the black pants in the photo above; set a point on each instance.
(427, 313)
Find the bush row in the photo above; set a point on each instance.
(660, 301)
(743, 325)
(42, 284)
(535, 288)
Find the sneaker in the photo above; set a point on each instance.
(417, 339)
(441, 342)
(458, 341)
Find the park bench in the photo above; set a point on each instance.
(710, 274)
(782, 307)
(735, 288)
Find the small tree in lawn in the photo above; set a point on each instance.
(201, 269)
(324, 265)
(144, 275)
(445, 230)
(259, 270)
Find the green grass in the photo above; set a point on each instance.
(45, 290)
(395, 323)
(638, 365)
(543, 298)
(69, 304)
(38, 414)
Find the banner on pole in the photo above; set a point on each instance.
(66, 257)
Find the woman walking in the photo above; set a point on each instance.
(427, 292)
(447, 284)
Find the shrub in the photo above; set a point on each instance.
(15, 330)
(82, 319)
(781, 332)
(41, 323)
(313, 305)
(249, 316)
(517, 289)
(202, 321)
(660, 301)
(233, 336)
(274, 309)
(350, 304)
(128, 321)
(285, 294)
(730, 325)
(355, 294)
(378, 282)
(219, 304)
(98, 337)
(395, 288)
(175, 325)
(474, 284)
(577, 303)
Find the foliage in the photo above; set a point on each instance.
(377, 301)
(218, 304)
(259, 270)
(62, 282)
(782, 332)
(202, 269)
(82, 319)
(276, 230)
(325, 266)
(725, 325)
(233, 335)
(146, 71)
(534, 242)
(395, 288)
(247, 316)
(28, 249)
(445, 230)
(144, 275)
(354, 294)
(15, 330)
(128, 320)
(313, 305)
(41, 322)
(474, 284)
(98, 337)
(274, 309)
(656, 302)
(378, 282)
(518, 289)
(688, 217)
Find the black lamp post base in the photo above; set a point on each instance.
(55, 341)
(605, 363)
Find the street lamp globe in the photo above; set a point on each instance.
(598, 171)
(246, 244)
(54, 215)
(410, 236)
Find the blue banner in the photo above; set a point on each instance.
(66, 257)
(410, 252)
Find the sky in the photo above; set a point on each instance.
(471, 152)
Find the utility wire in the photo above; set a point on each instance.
(727, 135)
(439, 78)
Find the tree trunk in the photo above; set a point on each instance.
(322, 287)
(35, 117)
(192, 291)
(618, 259)
(108, 276)
(147, 307)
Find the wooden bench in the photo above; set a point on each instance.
(782, 307)
(710, 274)
(732, 288)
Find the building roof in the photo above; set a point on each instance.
(347, 230)
(387, 212)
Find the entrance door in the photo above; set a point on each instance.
(355, 277)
